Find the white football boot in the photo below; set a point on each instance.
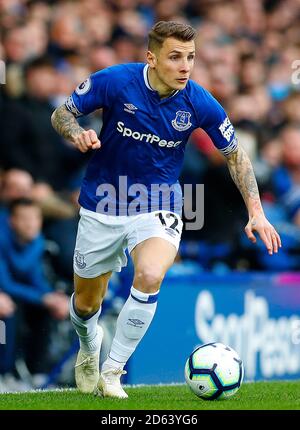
(87, 368)
(109, 384)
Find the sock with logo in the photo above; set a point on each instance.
(132, 324)
(86, 328)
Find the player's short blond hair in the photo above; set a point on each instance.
(164, 29)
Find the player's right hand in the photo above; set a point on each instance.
(86, 140)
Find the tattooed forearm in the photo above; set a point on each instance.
(65, 123)
(241, 171)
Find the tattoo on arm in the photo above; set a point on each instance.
(65, 123)
(241, 171)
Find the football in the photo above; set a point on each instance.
(214, 371)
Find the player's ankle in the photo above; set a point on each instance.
(109, 363)
(91, 346)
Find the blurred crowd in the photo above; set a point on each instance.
(246, 56)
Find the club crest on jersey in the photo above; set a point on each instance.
(182, 121)
(79, 260)
(84, 87)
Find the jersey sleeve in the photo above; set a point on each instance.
(96, 92)
(214, 120)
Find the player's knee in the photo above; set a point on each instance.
(84, 307)
(148, 279)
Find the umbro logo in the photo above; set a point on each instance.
(135, 322)
(130, 108)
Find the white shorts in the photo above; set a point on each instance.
(102, 239)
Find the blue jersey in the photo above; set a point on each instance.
(143, 138)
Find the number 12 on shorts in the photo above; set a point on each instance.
(165, 220)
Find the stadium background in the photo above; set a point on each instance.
(246, 51)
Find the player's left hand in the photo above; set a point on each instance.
(266, 231)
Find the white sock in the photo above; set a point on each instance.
(132, 324)
(86, 328)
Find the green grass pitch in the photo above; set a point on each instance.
(283, 395)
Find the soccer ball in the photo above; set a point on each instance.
(214, 371)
